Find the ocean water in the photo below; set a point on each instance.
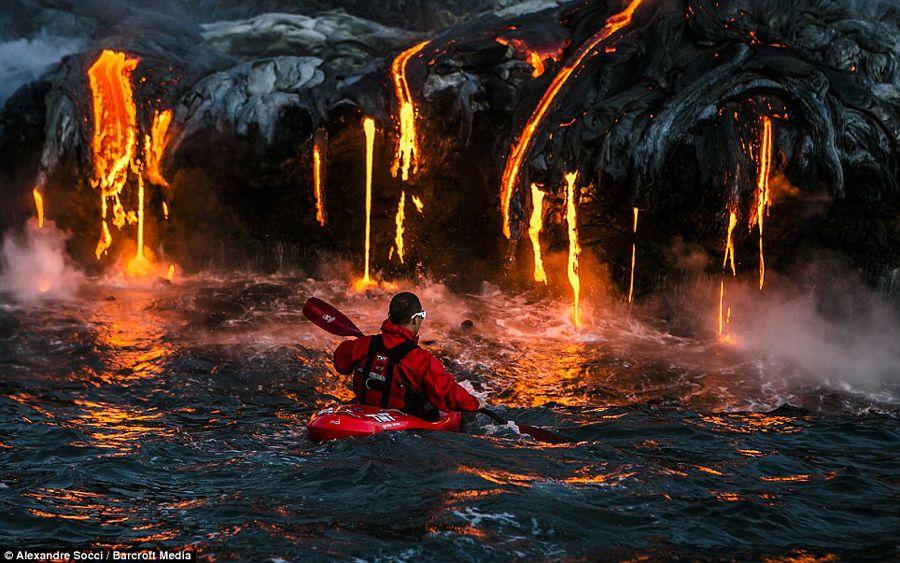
(171, 416)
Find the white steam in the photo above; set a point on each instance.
(23, 60)
(34, 265)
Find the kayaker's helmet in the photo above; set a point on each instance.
(405, 309)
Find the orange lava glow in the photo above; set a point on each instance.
(317, 185)
(523, 143)
(155, 144)
(574, 248)
(729, 243)
(534, 232)
(115, 132)
(165, 209)
(369, 128)
(633, 256)
(535, 58)
(398, 238)
(762, 190)
(139, 265)
(170, 274)
(38, 207)
(407, 153)
(417, 201)
(721, 325)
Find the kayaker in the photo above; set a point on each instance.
(390, 370)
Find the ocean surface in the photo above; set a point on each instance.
(172, 416)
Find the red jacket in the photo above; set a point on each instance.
(423, 370)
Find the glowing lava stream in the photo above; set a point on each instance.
(317, 185)
(115, 133)
(407, 154)
(633, 255)
(762, 189)
(39, 207)
(139, 265)
(369, 128)
(574, 248)
(398, 238)
(155, 144)
(523, 144)
(729, 243)
(534, 232)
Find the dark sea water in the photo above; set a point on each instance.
(174, 416)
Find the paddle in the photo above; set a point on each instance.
(331, 320)
(538, 434)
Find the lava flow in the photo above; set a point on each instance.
(115, 133)
(633, 256)
(406, 155)
(534, 232)
(729, 243)
(154, 145)
(523, 144)
(533, 57)
(39, 207)
(398, 238)
(317, 184)
(762, 190)
(574, 248)
(369, 128)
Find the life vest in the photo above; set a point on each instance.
(379, 380)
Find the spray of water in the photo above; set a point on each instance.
(34, 265)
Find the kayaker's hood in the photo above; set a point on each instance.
(395, 334)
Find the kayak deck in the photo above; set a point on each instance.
(355, 420)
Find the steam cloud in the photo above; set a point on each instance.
(23, 60)
(33, 265)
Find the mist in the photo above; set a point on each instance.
(34, 265)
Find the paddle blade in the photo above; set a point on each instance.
(328, 318)
(542, 435)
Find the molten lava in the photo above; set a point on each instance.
(534, 232)
(534, 57)
(317, 185)
(155, 144)
(407, 153)
(729, 243)
(369, 128)
(170, 274)
(524, 142)
(762, 190)
(115, 133)
(417, 201)
(574, 248)
(39, 207)
(139, 265)
(398, 238)
(633, 256)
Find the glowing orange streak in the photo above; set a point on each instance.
(398, 239)
(115, 133)
(417, 201)
(574, 248)
(523, 144)
(165, 209)
(317, 182)
(39, 207)
(407, 153)
(139, 265)
(633, 256)
(762, 190)
(369, 128)
(537, 64)
(170, 274)
(534, 231)
(155, 144)
(729, 243)
(721, 305)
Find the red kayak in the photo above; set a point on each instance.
(347, 421)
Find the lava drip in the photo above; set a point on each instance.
(729, 256)
(406, 155)
(534, 232)
(154, 146)
(574, 247)
(523, 144)
(762, 190)
(369, 129)
(398, 238)
(38, 207)
(318, 187)
(633, 255)
(115, 134)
